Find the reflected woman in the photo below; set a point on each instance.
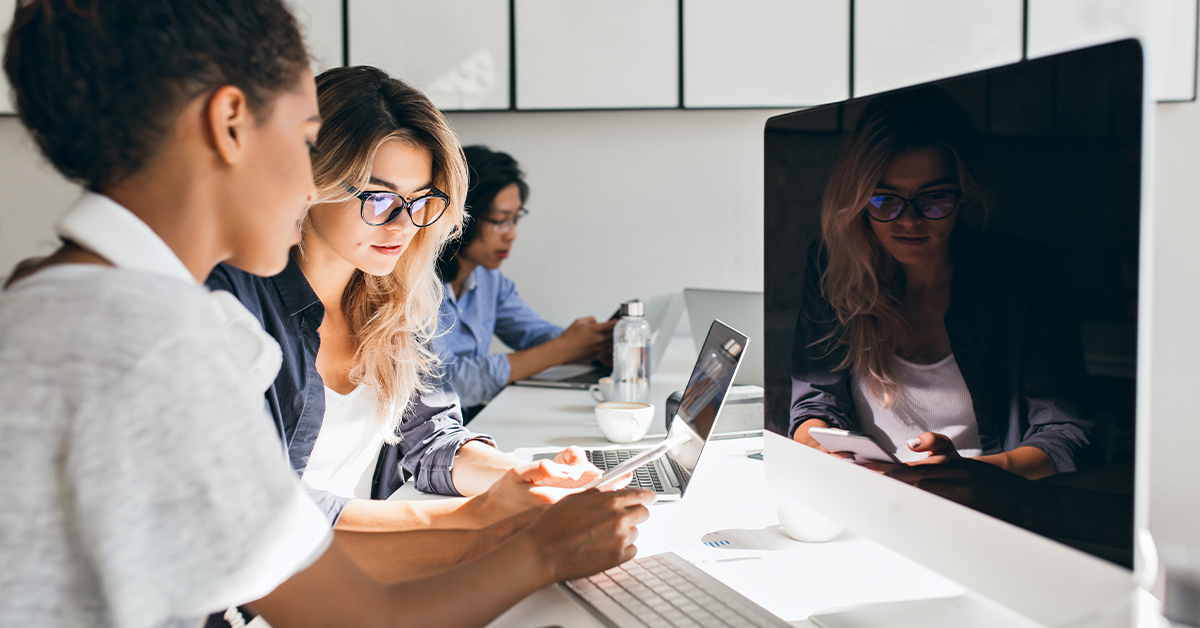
(937, 339)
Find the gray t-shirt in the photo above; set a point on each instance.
(140, 485)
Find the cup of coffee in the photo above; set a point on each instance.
(603, 390)
(624, 421)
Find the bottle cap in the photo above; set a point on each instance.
(633, 308)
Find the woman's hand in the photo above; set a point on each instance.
(801, 436)
(584, 339)
(523, 487)
(938, 446)
(491, 536)
(590, 531)
(573, 456)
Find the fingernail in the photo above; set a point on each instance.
(913, 443)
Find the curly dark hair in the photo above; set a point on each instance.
(99, 84)
(489, 171)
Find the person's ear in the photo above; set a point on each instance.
(229, 121)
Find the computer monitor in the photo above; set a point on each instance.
(1041, 322)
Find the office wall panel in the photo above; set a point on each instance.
(903, 42)
(1168, 27)
(597, 54)
(765, 53)
(1173, 60)
(7, 7)
(456, 51)
(321, 24)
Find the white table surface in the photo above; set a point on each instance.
(728, 492)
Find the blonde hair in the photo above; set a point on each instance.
(862, 282)
(392, 318)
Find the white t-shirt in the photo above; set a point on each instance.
(931, 398)
(141, 484)
(343, 459)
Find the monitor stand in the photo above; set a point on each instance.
(969, 609)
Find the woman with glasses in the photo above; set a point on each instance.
(480, 301)
(355, 312)
(936, 339)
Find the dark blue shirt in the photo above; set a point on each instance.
(289, 310)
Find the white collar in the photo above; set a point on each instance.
(468, 286)
(101, 225)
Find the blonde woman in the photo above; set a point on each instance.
(355, 312)
(938, 340)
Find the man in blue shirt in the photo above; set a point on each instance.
(480, 301)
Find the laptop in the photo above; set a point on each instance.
(703, 399)
(743, 310)
(662, 313)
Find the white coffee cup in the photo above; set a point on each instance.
(624, 421)
(602, 390)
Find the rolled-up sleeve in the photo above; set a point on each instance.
(431, 436)
(818, 390)
(1054, 372)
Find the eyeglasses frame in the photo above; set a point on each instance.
(913, 203)
(405, 205)
(511, 220)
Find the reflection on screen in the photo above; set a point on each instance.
(1013, 196)
(705, 392)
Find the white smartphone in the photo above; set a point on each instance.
(650, 455)
(863, 446)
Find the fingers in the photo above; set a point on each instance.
(632, 498)
(931, 442)
(548, 471)
(618, 483)
(571, 456)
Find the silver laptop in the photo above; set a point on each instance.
(703, 399)
(662, 313)
(743, 310)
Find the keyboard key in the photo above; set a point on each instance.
(666, 592)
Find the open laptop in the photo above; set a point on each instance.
(743, 310)
(662, 313)
(703, 399)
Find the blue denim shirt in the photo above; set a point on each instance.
(489, 305)
(290, 311)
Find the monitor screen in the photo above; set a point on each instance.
(958, 261)
(705, 393)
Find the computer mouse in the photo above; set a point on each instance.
(804, 524)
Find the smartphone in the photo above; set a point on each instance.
(863, 446)
(650, 455)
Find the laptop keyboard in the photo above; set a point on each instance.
(645, 476)
(666, 591)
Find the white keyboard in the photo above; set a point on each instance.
(667, 591)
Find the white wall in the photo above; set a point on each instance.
(627, 204)
(1174, 498)
(32, 197)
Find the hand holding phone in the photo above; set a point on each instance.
(863, 447)
(629, 466)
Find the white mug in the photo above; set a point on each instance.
(605, 389)
(624, 421)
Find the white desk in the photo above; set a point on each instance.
(728, 491)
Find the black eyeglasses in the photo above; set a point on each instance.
(502, 226)
(380, 208)
(934, 205)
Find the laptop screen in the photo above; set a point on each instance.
(705, 393)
